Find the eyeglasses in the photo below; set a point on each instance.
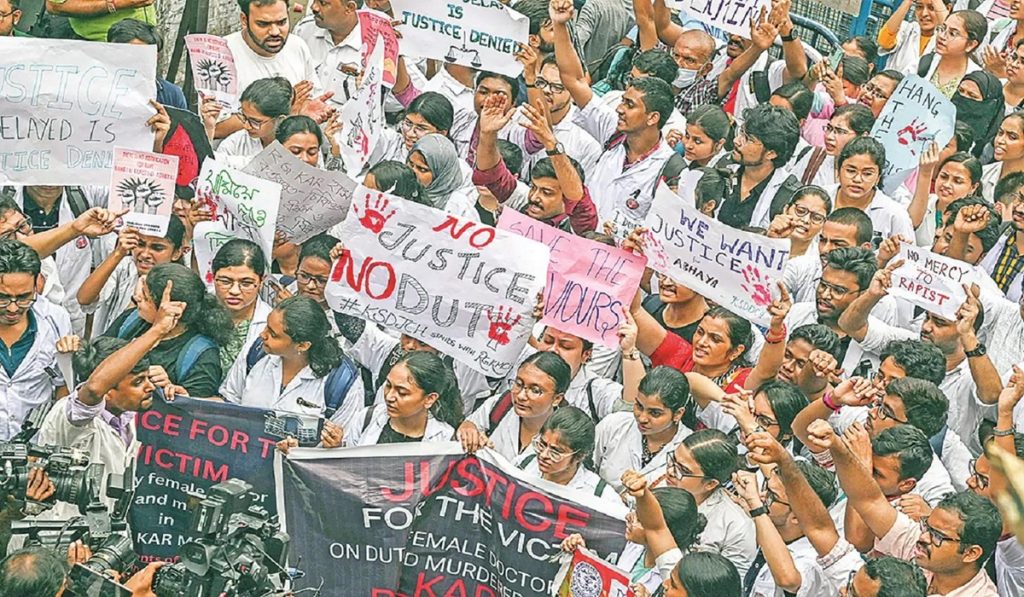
(885, 411)
(677, 471)
(21, 301)
(873, 90)
(835, 130)
(835, 291)
(951, 33)
(409, 126)
(243, 285)
(25, 227)
(251, 122)
(981, 480)
(764, 421)
(935, 536)
(815, 217)
(544, 84)
(533, 391)
(4, 15)
(742, 138)
(769, 496)
(556, 455)
(862, 175)
(306, 279)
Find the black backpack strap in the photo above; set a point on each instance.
(337, 385)
(368, 417)
(501, 408)
(760, 86)
(396, 353)
(590, 400)
(599, 490)
(526, 461)
(254, 355)
(925, 64)
(76, 200)
(787, 189)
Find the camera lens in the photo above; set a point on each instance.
(116, 553)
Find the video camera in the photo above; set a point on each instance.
(76, 480)
(241, 550)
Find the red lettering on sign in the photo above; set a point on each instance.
(360, 281)
(478, 239)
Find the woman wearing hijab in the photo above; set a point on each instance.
(979, 104)
(435, 162)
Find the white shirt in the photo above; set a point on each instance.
(461, 98)
(991, 259)
(888, 217)
(37, 376)
(621, 194)
(578, 144)
(804, 313)
(303, 395)
(506, 434)
(603, 392)
(729, 531)
(115, 296)
(238, 149)
(1010, 568)
(328, 58)
(357, 435)
(584, 481)
(293, 62)
(813, 580)
(618, 447)
(990, 175)
(906, 54)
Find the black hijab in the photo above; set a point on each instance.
(982, 116)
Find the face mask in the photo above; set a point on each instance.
(684, 78)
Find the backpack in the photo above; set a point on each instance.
(75, 196)
(504, 405)
(187, 357)
(336, 387)
(925, 64)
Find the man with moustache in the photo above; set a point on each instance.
(335, 38)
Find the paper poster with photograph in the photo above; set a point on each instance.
(143, 183)
(213, 67)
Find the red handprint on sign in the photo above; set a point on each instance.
(758, 290)
(374, 218)
(502, 323)
(914, 135)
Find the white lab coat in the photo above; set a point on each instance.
(578, 144)
(905, 55)
(356, 435)
(584, 481)
(618, 448)
(888, 217)
(35, 380)
(506, 435)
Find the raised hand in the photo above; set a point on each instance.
(858, 441)
(634, 482)
(747, 489)
(560, 11)
(169, 312)
(537, 121)
(971, 219)
(779, 308)
(967, 314)
(332, 435)
(889, 248)
(765, 449)
(881, 282)
(820, 435)
(855, 391)
(782, 226)
(160, 124)
(930, 157)
(68, 344)
(494, 114)
(627, 332)
(762, 31)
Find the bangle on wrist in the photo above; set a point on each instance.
(759, 511)
(1002, 432)
(633, 355)
(826, 399)
(773, 337)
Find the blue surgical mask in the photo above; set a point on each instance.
(684, 78)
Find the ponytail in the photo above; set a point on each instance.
(434, 377)
(305, 321)
(204, 312)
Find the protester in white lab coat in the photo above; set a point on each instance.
(264, 104)
(238, 271)
(510, 420)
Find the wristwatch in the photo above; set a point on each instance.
(790, 37)
(979, 351)
(633, 356)
(760, 510)
(558, 150)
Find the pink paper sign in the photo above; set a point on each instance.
(588, 283)
(213, 66)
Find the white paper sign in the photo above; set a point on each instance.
(362, 117)
(143, 182)
(312, 199)
(243, 206)
(483, 34)
(445, 280)
(931, 281)
(733, 268)
(731, 16)
(914, 116)
(65, 105)
(213, 67)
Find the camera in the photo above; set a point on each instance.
(90, 577)
(75, 479)
(240, 551)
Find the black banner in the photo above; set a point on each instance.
(187, 446)
(425, 520)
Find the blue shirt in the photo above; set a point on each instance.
(12, 357)
(169, 94)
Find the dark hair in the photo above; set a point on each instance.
(893, 75)
(776, 128)
(673, 389)
(858, 261)
(922, 360)
(822, 482)
(435, 108)
(926, 406)
(434, 377)
(715, 452)
(513, 85)
(964, 135)
(553, 366)
(819, 336)
(975, 25)
(814, 190)
(575, 428)
(245, 4)
(896, 577)
(968, 161)
(18, 258)
(544, 168)
(33, 572)
(240, 252)
(8, 205)
(786, 401)
(868, 146)
(800, 98)
(296, 125)
(715, 184)
(856, 70)
(909, 445)
(981, 523)
(97, 350)
(175, 231)
(512, 155)
(680, 512)
(858, 116)
(708, 573)
(271, 96)
(1011, 183)
(989, 235)
(128, 30)
(398, 179)
(204, 313)
(657, 97)
(739, 328)
(656, 63)
(851, 216)
(305, 321)
(318, 246)
(868, 45)
(711, 119)
(536, 11)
